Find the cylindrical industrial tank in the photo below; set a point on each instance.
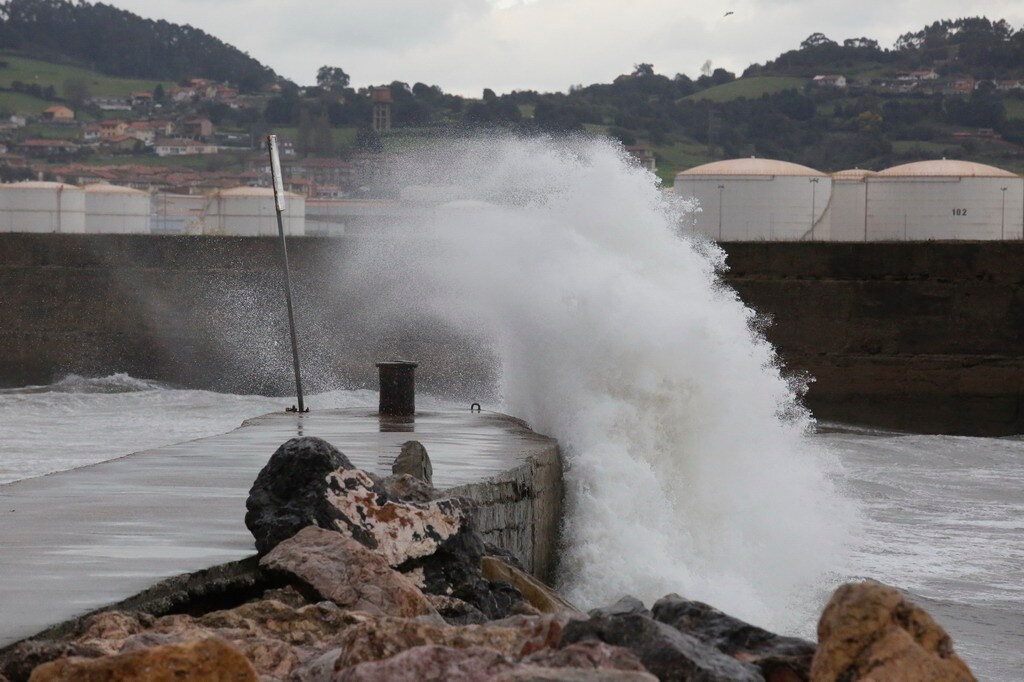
(757, 199)
(944, 199)
(847, 214)
(42, 207)
(249, 211)
(116, 209)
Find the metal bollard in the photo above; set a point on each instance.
(397, 388)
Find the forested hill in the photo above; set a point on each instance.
(120, 43)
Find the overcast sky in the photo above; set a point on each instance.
(547, 45)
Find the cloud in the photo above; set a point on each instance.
(467, 45)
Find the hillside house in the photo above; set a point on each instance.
(113, 128)
(112, 103)
(320, 171)
(198, 128)
(182, 147)
(47, 148)
(144, 131)
(962, 86)
(58, 114)
(829, 81)
(91, 132)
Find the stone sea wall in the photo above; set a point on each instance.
(922, 336)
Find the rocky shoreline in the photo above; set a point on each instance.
(366, 578)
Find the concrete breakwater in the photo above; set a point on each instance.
(82, 539)
(921, 336)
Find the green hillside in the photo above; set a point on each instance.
(751, 87)
(36, 72)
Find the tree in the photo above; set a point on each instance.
(861, 43)
(644, 69)
(332, 78)
(816, 40)
(158, 93)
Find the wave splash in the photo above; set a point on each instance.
(688, 464)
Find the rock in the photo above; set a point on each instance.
(289, 491)
(475, 663)
(408, 489)
(589, 654)
(624, 606)
(275, 637)
(343, 571)
(870, 633)
(534, 674)
(539, 595)
(414, 461)
(400, 531)
(455, 611)
(780, 659)
(210, 659)
(25, 656)
(431, 662)
(663, 650)
(537, 632)
(380, 638)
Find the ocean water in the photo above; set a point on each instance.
(83, 420)
(943, 517)
(691, 466)
(944, 522)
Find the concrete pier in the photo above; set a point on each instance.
(78, 540)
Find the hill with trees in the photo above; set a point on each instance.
(116, 42)
(954, 88)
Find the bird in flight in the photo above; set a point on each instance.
(728, 13)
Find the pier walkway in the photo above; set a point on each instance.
(78, 540)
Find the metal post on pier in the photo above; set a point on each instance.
(275, 172)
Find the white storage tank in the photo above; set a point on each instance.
(944, 199)
(249, 211)
(116, 209)
(848, 210)
(758, 199)
(42, 207)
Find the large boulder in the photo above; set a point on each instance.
(780, 659)
(433, 541)
(414, 461)
(539, 595)
(667, 653)
(210, 659)
(430, 662)
(289, 492)
(870, 633)
(475, 663)
(275, 637)
(381, 638)
(343, 571)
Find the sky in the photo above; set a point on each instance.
(464, 46)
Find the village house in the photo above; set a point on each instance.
(58, 114)
(111, 103)
(144, 131)
(113, 128)
(320, 171)
(182, 147)
(47, 148)
(198, 128)
(829, 81)
(962, 86)
(91, 132)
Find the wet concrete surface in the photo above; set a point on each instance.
(77, 540)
